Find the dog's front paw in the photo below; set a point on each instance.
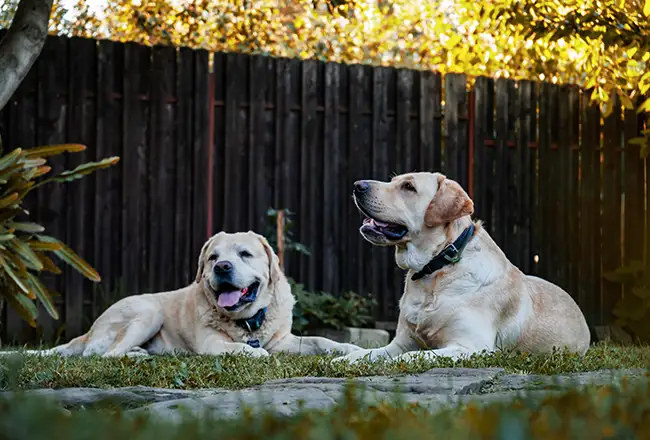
(255, 352)
(353, 357)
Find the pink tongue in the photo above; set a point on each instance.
(380, 224)
(229, 299)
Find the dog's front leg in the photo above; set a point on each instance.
(453, 351)
(311, 345)
(402, 343)
(216, 346)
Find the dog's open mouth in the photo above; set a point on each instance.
(391, 231)
(231, 297)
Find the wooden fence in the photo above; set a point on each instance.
(203, 152)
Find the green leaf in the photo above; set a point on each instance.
(23, 306)
(9, 159)
(42, 294)
(10, 199)
(52, 150)
(26, 254)
(74, 260)
(16, 279)
(82, 170)
(32, 228)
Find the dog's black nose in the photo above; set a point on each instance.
(361, 186)
(223, 267)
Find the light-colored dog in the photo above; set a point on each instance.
(462, 295)
(240, 302)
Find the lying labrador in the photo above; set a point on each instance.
(462, 295)
(240, 302)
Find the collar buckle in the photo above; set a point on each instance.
(454, 257)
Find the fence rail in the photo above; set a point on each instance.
(208, 148)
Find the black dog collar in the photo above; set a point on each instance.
(251, 324)
(450, 255)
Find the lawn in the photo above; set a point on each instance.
(236, 372)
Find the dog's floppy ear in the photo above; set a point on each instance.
(201, 264)
(275, 272)
(449, 203)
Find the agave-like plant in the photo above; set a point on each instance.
(24, 249)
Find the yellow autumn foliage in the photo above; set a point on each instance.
(553, 40)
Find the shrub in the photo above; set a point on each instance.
(633, 309)
(323, 310)
(24, 249)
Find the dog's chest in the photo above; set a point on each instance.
(425, 316)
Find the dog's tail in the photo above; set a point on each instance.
(72, 348)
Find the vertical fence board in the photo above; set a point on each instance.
(309, 137)
(108, 183)
(200, 145)
(634, 189)
(430, 121)
(236, 170)
(134, 172)
(550, 188)
(611, 213)
(405, 150)
(183, 258)
(358, 169)
(162, 170)
(590, 209)
(455, 149)
(52, 68)
(332, 164)
(500, 178)
(543, 191)
(526, 161)
(80, 210)
(573, 192)
(380, 171)
(484, 151)
(564, 209)
(259, 188)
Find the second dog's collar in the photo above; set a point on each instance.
(450, 255)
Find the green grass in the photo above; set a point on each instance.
(236, 372)
(605, 413)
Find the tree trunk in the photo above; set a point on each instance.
(22, 44)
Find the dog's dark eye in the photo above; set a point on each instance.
(245, 254)
(212, 257)
(408, 186)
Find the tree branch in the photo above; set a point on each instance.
(22, 44)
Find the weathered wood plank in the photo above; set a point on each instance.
(332, 165)
(456, 142)
(611, 212)
(590, 210)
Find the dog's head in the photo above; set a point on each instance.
(238, 270)
(411, 212)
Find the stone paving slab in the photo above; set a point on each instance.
(432, 389)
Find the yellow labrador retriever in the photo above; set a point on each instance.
(462, 295)
(240, 302)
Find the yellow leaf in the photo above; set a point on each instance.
(646, 8)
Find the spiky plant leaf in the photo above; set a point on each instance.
(74, 260)
(23, 306)
(9, 159)
(8, 200)
(28, 227)
(82, 170)
(53, 150)
(42, 294)
(38, 245)
(26, 254)
(5, 264)
(48, 264)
